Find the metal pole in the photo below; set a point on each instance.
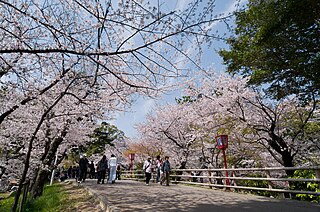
(53, 171)
(225, 166)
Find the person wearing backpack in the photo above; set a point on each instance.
(147, 169)
(166, 171)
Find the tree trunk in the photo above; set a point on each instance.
(28, 155)
(42, 175)
(41, 179)
(288, 162)
(34, 178)
(2, 171)
(182, 166)
(25, 171)
(48, 158)
(280, 146)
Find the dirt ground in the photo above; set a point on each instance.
(82, 200)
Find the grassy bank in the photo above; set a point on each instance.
(58, 197)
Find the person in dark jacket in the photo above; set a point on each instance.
(83, 166)
(102, 169)
(70, 172)
(92, 170)
(118, 171)
(166, 171)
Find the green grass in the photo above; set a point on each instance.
(4, 195)
(6, 203)
(53, 199)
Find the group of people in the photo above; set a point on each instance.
(162, 169)
(110, 168)
(104, 166)
(107, 166)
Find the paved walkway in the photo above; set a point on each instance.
(127, 196)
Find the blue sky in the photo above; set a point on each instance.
(125, 121)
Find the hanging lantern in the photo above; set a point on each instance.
(131, 156)
(222, 141)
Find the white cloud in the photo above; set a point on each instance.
(125, 121)
(182, 4)
(142, 107)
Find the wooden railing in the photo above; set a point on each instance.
(274, 176)
(135, 175)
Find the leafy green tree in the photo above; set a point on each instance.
(106, 134)
(185, 99)
(277, 42)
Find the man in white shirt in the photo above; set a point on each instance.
(147, 169)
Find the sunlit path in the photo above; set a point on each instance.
(127, 195)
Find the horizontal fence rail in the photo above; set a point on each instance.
(275, 177)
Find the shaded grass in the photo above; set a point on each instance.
(4, 195)
(59, 197)
(53, 199)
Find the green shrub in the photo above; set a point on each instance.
(305, 186)
(256, 183)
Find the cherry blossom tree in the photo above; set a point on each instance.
(71, 105)
(170, 128)
(277, 126)
(219, 104)
(133, 42)
(58, 50)
(128, 43)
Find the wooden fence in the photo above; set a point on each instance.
(275, 177)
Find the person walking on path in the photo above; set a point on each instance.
(70, 172)
(159, 164)
(147, 169)
(118, 171)
(112, 169)
(92, 170)
(166, 171)
(83, 166)
(102, 169)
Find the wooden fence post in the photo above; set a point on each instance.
(234, 182)
(210, 179)
(269, 176)
(175, 178)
